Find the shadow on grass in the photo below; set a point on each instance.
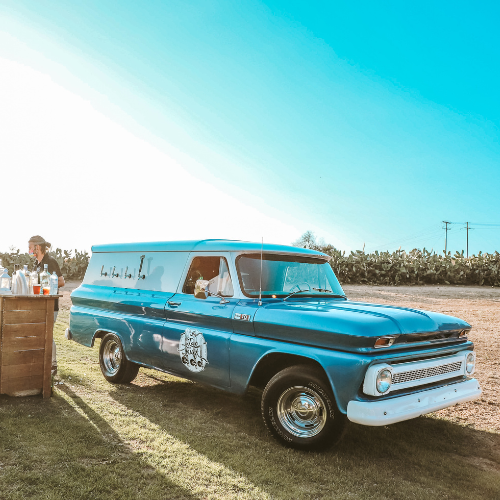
(62, 448)
(425, 456)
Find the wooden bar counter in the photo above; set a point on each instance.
(26, 326)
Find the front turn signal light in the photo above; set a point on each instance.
(386, 341)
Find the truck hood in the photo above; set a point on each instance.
(344, 324)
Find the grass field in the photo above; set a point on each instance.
(166, 438)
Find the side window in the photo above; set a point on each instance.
(213, 269)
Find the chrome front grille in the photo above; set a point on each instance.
(414, 374)
(423, 373)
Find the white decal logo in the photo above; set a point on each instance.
(193, 350)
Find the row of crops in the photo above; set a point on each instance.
(417, 267)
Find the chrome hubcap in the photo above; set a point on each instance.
(111, 357)
(302, 411)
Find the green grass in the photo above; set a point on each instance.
(166, 438)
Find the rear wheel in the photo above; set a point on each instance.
(299, 409)
(115, 367)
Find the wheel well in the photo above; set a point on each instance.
(99, 335)
(273, 363)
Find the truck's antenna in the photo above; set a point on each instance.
(260, 285)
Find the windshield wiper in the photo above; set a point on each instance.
(293, 293)
(334, 295)
(322, 290)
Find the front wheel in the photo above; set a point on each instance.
(115, 367)
(299, 409)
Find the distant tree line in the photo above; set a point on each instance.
(416, 267)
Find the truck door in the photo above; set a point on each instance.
(197, 331)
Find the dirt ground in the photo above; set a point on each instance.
(479, 306)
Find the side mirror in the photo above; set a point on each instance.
(200, 289)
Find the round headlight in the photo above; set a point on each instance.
(384, 381)
(470, 363)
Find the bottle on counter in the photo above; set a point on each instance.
(54, 282)
(14, 287)
(26, 274)
(5, 283)
(45, 280)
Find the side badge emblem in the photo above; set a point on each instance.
(193, 350)
(242, 317)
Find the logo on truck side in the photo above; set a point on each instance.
(193, 350)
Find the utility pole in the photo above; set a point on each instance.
(446, 236)
(467, 240)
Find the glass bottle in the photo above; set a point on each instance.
(54, 281)
(13, 283)
(45, 280)
(33, 277)
(5, 282)
(27, 279)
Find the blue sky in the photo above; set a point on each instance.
(367, 122)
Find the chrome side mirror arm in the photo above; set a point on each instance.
(201, 291)
(223, 300)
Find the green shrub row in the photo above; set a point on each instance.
(73, 267)
(417, 267)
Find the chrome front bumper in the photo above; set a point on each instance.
(401, 408)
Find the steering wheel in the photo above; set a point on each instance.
(299, 289)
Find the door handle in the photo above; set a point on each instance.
(173, 304)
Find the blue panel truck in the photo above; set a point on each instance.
(234, 314)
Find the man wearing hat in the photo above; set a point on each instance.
(38, 249)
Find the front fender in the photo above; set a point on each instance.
(345, 371)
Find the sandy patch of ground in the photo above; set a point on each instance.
(479, 306)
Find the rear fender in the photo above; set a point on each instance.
(99, 334)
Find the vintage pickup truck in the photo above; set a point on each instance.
(233, 314)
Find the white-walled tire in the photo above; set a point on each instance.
(299, 409)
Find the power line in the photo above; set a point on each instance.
(424, 234)
(484, 225)
(476, 224)
(430, 233)
(469, 226)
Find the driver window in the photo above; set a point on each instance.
(213, 269)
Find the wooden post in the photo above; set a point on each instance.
(47, 360)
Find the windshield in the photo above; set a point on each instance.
(285, 274)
